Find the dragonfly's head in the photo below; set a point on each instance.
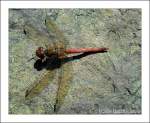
(40, 52)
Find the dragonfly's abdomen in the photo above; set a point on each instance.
(84, 50)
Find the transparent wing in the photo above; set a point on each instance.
(37, 87)
(58, 36)
(65, 75)
(63, 85)
(37, 37)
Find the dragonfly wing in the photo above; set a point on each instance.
(37, 37)
(63, 85)
(65, 76)
(60, 41)
(37, 87)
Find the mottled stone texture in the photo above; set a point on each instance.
(107, 83)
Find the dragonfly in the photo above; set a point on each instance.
(51, 54)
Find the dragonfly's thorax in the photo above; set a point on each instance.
(49, 53)
(54, 51)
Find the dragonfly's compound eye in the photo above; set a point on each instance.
(40, 52)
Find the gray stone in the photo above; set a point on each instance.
(107, 83)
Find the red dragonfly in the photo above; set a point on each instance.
(54, 56)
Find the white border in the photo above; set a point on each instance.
(74, 4)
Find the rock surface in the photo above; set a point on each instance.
(106, 83)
